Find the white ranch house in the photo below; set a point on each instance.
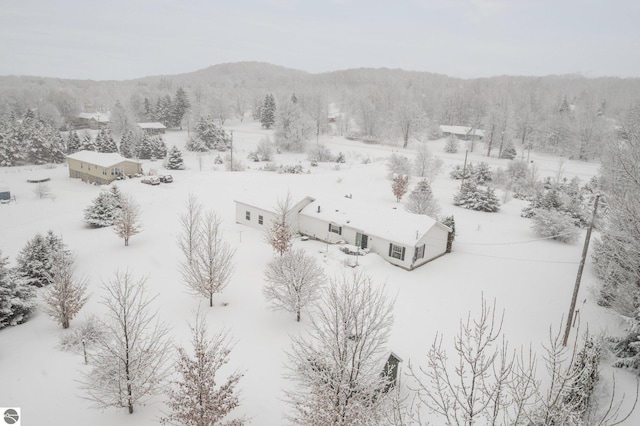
(401, 238)
(464, 133)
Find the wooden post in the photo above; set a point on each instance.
(576, 288)
(84, 349)
(231, 165)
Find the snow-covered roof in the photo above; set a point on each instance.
(4, 187)
(99, 158)
(393, 224)
(461, 130)
(268, 200)
(100, 117)
(153, 125)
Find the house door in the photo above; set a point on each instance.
(362, 240)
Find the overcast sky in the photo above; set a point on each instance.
(123, 39)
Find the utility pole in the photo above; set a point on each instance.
(576, 288)
(464, 168)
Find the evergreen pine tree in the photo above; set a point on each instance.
(16, 297)
(128, 146)
(87, 143)
(585, 375)
(174, 159)
(12, 152)
(38, 152)
(103, 210)
(164, 110)
(149, 114)
(181, 105)
(73, 142)
(145, 149)
(451, 146)
(509, 152)
(472, 197)
(105, 142)
(268, 112)
(422, 201)
(35, 260)
(159, 147)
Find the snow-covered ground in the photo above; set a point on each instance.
(495, 255)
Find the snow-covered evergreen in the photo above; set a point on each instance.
(73, 142)
(554, 224)
(473, 197)
(104, 141)
(422, 201)
(36, 259)
(16, 297)
(128, 144)
(268, 111)
(104, 209)
(174, 159)
(87, 143)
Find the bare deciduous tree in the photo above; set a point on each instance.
(280, 233)
(293, 281)
(337, 368)
(399, 186)
(196, 398)
(126, 223)
(211, 265)
(189, 235)
(131, 359)
(65, 296)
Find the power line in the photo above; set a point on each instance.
(515, 242)
(517, 259)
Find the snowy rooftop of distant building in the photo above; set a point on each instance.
(4, 187)
(393, 224)
(153, 125)
(101, 117)
(461, 130)
(99, 158)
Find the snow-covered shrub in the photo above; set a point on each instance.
(320, 154)
(264, 151)
(460, 172)
(270, 167)
(238, 166)
(509, 152)
(555, 225)
(340, 158)
(89, 332)
(218, 160)
(293, 169)
(566, 197)
(398, 165)
(472, 197)
(451, 146)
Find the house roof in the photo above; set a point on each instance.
(268, 200)
(391, 223)
(461, 130)
(153, 125)
(99, 158)
(101, 117)
(4, 187)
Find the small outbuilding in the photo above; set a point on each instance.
(154, 128)
(5, 193)
(92, 120)
(464, 133)
(101, 168)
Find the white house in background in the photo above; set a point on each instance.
(92, 120)
(404, 239)
(260, 211)
(154, 128)
(462, 132)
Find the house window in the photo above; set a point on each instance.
(335, 229)
(260, 219)
(420, 252)
(82, 165)
(395, 251)
(104, 171)
(247, 215)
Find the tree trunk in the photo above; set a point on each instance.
(211, 300)
(65, 323)
(298, 315)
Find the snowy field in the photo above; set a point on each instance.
(495, 255)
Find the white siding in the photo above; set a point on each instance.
(254, 213)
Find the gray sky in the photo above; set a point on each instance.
(123, 39)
